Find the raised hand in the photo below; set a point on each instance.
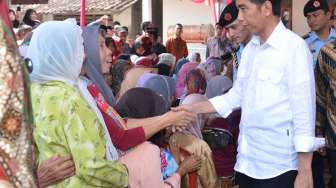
(190, 164)
(103, 20)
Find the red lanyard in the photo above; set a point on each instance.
(105, 107)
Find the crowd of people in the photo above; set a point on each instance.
(108, 111)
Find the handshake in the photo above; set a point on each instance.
(180, 117)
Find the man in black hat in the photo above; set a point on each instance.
(318, 19)
(237, 32)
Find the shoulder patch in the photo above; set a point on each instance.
(305, 36)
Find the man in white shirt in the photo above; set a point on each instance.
(275, 89)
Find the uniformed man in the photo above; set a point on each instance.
(237, 32)
(318, 18)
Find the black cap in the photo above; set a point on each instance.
(314, 5)
(229, 15)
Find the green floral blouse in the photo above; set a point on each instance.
(65, 124)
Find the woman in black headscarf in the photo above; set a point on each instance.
(30, 18)
(143, 103)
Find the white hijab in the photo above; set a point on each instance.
(57, 52)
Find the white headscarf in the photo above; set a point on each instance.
(57, 52)
(167, 58)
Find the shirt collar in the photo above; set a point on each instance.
(332, 35)
(241, 46)
(275, 39)
(313, 36)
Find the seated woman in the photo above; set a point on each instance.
(225, 158)
(152, 104)
(162, 85)
(195, 82)
(190, 139)
(181, 79)
(66, 124)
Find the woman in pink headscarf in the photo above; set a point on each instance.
(181, 79)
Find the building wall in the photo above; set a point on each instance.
(186, 13)
(299, 21)
(124, 17)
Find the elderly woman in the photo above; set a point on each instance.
(180, 88)
(66, 122)
(191, 140)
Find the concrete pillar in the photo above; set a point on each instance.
(157, 19)
(136, 19)
(147, 11)
(299, 21)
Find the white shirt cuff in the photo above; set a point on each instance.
(308, 143)
(221, 106)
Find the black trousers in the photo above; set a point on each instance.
(331, 154)
(285, 180)
(318, 170)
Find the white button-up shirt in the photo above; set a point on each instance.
(275, 89)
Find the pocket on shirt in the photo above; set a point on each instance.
(269, 87)
(273, 77)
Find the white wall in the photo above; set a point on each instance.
(147, 10)
(125, 17)
(186, 13)
(299, 21)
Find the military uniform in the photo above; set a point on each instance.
(315, 43)
(227, 18)
(236, 57)
(312, 39)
